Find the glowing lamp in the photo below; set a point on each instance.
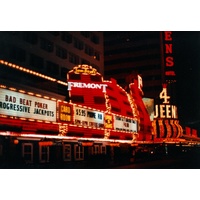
(16, 141)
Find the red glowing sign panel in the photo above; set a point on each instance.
(168, 54)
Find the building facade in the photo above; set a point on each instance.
(134, 52)
(51, 53)
(70, 115)
(36, 129)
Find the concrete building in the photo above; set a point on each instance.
(51, 53)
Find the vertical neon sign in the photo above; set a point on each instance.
(168, 59)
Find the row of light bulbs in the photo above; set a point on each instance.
(31, 72)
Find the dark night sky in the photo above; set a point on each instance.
(186, 45)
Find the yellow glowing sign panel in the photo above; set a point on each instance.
(165, 110)
(65, 112)
(108, 121)
(85, 69)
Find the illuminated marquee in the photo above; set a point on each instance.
(26, 106)
(65, 112)
(88, 117)
(165, 110)
(87, 85)
(108, 121)
(125, 124)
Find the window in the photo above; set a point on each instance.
(103, 149)
(113, 98)
(73, 58)
(52, 68)
(96, 55)
(115, 109)
(89, 50)
(141, 127)
(27, 152)
(86, 34)
(64, 72)
(30, 37)
(77, 99)
(78, 152)
(44, 154)
(17, 53)
(109, 88)
(95, 38)
(123, 94)
(78, 44)
(126, 103)
(96, 78)
(73, 76)
(99, 100)
(61, 52)
(67, 152)
(129, 114)
(66, 37)
(83, 61)
(36, 61)
(96, 149)
(1, 149)
(46, 45)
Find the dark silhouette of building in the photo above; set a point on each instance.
(134, 52)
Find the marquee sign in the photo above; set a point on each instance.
(165, 110)
(125, 124)
(65, 112)
(88, 117)
(26, 106)
(166, 123)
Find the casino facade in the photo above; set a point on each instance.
(98, 124)
(100, 117)
(100, 120)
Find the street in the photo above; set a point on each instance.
(183, 162)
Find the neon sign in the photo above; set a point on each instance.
(140, 82)
(65, 112)
(165, 110)
(87, 85)
(108, 121)
(85, 69)
(169, 60)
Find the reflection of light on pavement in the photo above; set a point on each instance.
(166, 150)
